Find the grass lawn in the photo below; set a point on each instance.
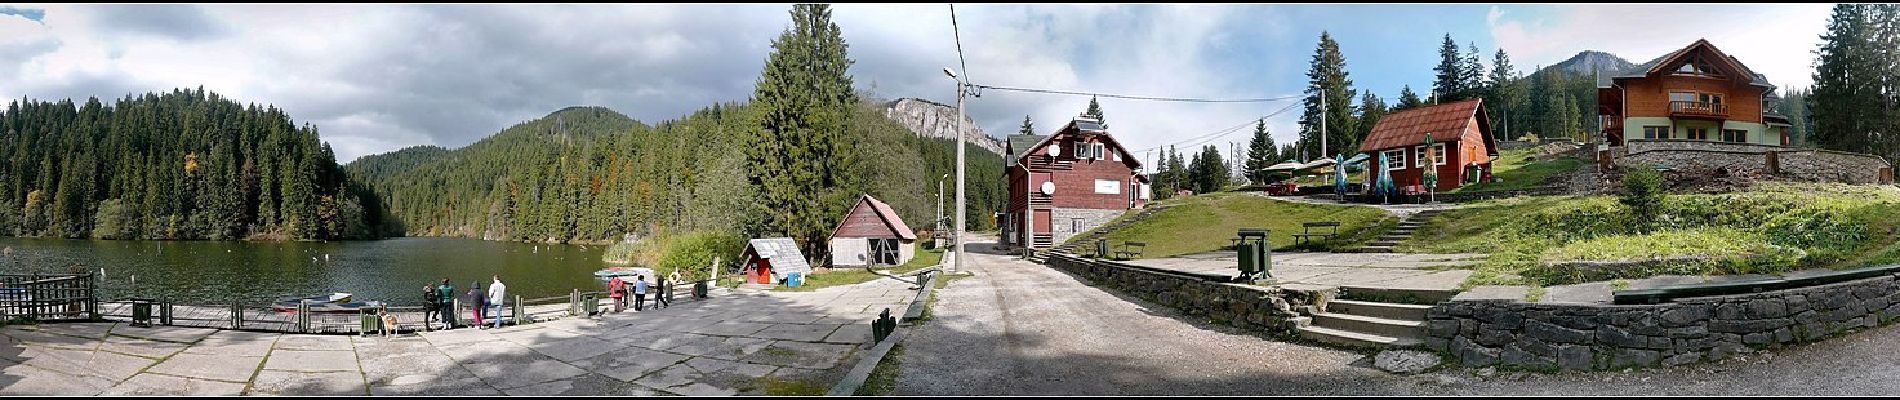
(1205, 222)
(851, 276)
(1518, 172)
(1772, 228)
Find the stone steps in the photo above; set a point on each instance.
(1393, 295)
(1413, 312)
(1407, 227)
(1392, 328)
(1353, 339)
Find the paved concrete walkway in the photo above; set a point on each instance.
(732, 344)
(1379, 270)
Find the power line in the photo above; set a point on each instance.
(1217, 134)
(1139, 97)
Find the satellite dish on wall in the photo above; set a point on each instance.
(1055, 151)
(1049, 188)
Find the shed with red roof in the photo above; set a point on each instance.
(872, 234)
(1461, 139)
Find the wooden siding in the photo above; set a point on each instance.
(864, 222)
(1467, 150)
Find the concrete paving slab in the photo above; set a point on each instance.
(850, 334)
(784, 318)
(576, 348)
(537, 336)
(801, 354)
(237, 368)
(89, 330)
(166, 385)
(314, 342)
(584, 385)
(1493, 292)
(1583, 293)
(470, 388)
(26, 380)
(141, 347)
(731, 348)
(289, 383)
(798, 332)
(312, 360)
(516, 371)
(180, 334)
(458, 336)
(108, 365)
(630, 363)
(1665, 280)
(40, 338)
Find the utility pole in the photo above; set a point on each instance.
(939, 221)
(1322, 123)
(957, 264)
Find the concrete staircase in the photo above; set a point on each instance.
(1407, 226)
(1373, 324)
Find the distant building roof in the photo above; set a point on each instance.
(883, 212)
(784, 255)
(1644, 69)
(1020, 143)
(1446, 122)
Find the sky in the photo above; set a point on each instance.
(377, 78)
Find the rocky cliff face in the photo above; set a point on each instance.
(1591, 62)
(930, 119)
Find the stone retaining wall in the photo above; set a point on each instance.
(1275, 310)
(1771, 162)
(1063, 221)
(1599, 337)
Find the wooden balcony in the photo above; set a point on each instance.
(1698, 110)
(1049, 164)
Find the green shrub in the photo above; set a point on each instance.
(1643, 194)
(693, 254)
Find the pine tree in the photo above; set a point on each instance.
(800, 159)
(1177, 175)
(1328, 78)
(1451, 75)
(1473, 76)
(1407, 99)
(1261, 153)
(1505, 92)
(1371, 110)
(1027, 128)
(1095, 111)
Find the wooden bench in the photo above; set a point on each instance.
(1247, 234)
(1307, 231)
(1130, 250)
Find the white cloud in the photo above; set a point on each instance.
(1775, 41)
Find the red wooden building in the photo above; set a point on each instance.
(1066, 183)
(872, 234)
(1461, 139)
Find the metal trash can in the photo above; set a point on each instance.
(142, 312)
(1101, 248)
(794, 279)
(591, 303)
(372, 320)
(699, 289)
(1248, 259)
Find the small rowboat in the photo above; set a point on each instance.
(623, 272)
(330, 303)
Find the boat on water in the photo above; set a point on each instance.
(329, 303)
(623, 272)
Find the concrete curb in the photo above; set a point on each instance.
(861, 372)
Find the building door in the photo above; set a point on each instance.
(762, 273)
(883, 251)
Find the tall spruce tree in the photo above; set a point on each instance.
(1371, 110)
(1027, 128)
(1473, 75)
(1504, 92)
(1177, 171)
(1328, 78)
(1451, 75)
(1407, 99)
(1260, 153)
(1095, 111)
(801, 161)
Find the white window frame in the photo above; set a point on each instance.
(1389, 159)
(1438, 149)
(1082, 150)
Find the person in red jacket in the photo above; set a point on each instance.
(617, 289)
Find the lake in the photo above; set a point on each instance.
(393, 270)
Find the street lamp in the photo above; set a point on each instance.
(938, 230)
(957, 263)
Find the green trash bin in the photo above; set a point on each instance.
(1101, 248)
(1248, 259)
(699, 289)
(1263, 259)
(591, 303)
(142, 312)
(371, 321)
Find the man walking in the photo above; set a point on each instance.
(431, 306)
(660, 296)
(639, 292)
(497, 293)
(445, 298)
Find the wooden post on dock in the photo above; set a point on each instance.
(518, 315)
(164, 313)
(574, 303)
(237, 315)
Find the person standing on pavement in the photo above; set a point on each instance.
(659, 296)
(476, 300)
(617, 289)
(497, 295)
(445, 298)
(639, 292)
(430, 306)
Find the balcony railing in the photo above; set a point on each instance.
(1697, 109)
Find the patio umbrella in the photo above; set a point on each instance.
(1339, 177)
(1385, 177)
(1431, 168)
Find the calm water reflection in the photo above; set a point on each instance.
(390, 270)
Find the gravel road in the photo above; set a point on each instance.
(1018, 328)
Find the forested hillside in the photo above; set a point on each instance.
(181, 165)
(588, 174)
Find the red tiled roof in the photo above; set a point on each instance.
(890, 217)
(1446, 122)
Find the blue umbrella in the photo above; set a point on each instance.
(1339, 176)
(1385, 177)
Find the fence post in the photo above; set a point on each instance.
(165, 313)
(518, 320)
(92, 297)
(237, 314)
(574, 303)
(303, 316)
(455, 312)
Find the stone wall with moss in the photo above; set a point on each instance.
(1601, 337)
